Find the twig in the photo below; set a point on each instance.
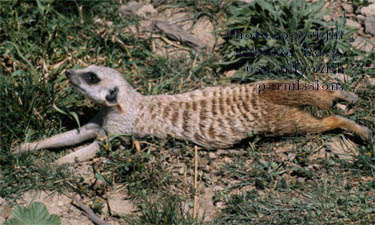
(195, 181)
(90, 214)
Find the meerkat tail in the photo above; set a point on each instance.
(333, 122)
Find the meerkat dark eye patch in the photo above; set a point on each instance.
(91, 78)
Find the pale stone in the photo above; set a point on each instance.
(120, 207)
(368, 10)
(352, 23)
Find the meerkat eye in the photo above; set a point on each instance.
(91, 78)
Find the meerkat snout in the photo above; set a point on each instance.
(72, 78)
(68, 73)
(112, 95)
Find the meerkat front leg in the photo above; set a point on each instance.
(65, 139)
(82, 154)
(68, 138)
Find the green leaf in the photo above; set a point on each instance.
(59, 110)
(267, 6)
(75, 116)
(293, 23)
(35, 214)
(41, 8)
(315, 7)
(102, 178)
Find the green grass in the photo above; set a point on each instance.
(164, 210)
(44, 38)
(298, 190)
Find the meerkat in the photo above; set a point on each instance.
(213, 117)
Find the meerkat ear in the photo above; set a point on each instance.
(112, 96)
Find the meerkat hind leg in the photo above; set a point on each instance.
(346, 96)
(81, 154)
(320, 98)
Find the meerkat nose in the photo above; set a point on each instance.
(68, 73)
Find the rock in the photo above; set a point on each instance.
(343, 148)
(366, 84)
(341, 77)
(121, 207)
(370, 25)
(220, 205)
(227, 160)
(352, 23)
(204, 31)
(213, 166)
(371, 81)
(202, 162)
(146, 10)
(362, 44)
(5, 210)
(181, 171)
(368, 10)
(212, 155)
(137, 9)
(230, 73)
(327, 18)
(361, 18)
(347, 7)
(341, 106)
(218, 188)
(344, 108)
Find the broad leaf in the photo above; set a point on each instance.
(35, 214)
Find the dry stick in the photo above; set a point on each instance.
(195, 181)
(177, 33)
(90, 214)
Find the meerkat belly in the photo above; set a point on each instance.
(212, 117)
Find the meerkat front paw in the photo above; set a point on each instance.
(25, 147)
(348, 96)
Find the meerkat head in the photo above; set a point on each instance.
(103, 85)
